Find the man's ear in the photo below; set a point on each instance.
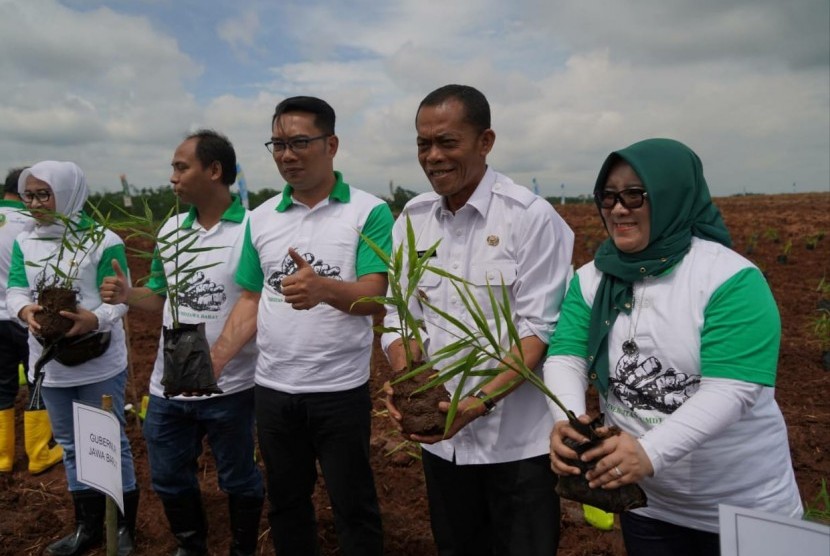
(215, 170)
(486, 141)
(332, 143)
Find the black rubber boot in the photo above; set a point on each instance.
(187, 522)
(245, 512)
(89, 525)
(126, 523)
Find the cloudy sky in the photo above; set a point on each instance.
(115, 85)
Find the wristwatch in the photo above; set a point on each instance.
(489, 403)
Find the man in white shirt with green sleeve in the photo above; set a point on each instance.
(304, 266)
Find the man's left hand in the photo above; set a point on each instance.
(469, 409)
(85, 321)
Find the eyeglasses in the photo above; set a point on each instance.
(42, 195)
(628, 198)
(296, 144)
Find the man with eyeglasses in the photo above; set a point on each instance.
(304, 267)
(489, 483)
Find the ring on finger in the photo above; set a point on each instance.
(617, 471)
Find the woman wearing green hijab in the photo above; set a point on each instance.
(679, 334)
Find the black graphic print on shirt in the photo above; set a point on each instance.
(289, 267)
(202, 294)
(643, 384)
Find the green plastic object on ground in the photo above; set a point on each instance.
(598, 518)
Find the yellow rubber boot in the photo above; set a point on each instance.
(38, 433)
(6, 440)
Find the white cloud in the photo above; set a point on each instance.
(746, 83)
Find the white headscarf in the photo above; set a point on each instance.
(67, 181)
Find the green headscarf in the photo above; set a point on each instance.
(681, 207)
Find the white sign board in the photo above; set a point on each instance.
(746, 532)
(98, 450)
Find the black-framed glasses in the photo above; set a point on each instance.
(42, 195)
(296, 144)
(628, 198)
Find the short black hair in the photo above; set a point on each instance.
(322, 110)
(212, 146)
(476, 107)
(11, 180)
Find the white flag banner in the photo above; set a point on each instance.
(98, 450)
(746, 532)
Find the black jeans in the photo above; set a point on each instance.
(14, 349)
(645, 536)
(297, 430)
(498, 509)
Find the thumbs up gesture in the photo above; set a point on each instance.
(114, 289)
(303, 289)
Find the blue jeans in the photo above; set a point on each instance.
(59, 405)
(645, 536)
(174, 431)
(297, 430)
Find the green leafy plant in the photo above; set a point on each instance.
(772, 235)
(479, 350)
(55, 284)
(784, 255)
(177, 246)
(79, 237)
(819, 509)
(751, 243)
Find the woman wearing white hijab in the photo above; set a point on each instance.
(55, 193)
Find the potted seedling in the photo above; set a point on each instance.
(823, 290)
(188, 368)
(478, 352)
(821, 330)
(417, 392)
(784, 255)
(772, 235)
(751, 243)
(485, 347)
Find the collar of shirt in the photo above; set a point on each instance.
(234, 213)
(479, 200)
(340, 192)
(8, 203)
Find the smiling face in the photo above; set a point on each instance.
(629, 228)
(309, 171)
(452, 152)
(42, 210)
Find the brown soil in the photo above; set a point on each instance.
(419, 410)
(36, 510)
(54, 300)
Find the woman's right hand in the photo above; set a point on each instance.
(559, 450)
(27, 315)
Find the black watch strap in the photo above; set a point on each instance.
(489, 403)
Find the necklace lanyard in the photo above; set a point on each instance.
(630, 346)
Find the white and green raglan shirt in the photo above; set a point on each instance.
(322, 349)
(13, 220)
(34, 252)
(211, 293)
(698, 388)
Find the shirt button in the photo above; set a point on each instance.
(628, 305)
(608, 323)
(593, 376)
(454, 300)
(590, 358)
(455, 265)
(459, 232)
